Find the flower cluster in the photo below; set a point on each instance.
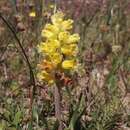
(59, 48)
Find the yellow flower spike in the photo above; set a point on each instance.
(59, 49)
(68, 64)
(45, 76)
(73, 38)
(32, 14)
(67, 24)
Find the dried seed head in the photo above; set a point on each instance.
(21, 27)
(18, 18)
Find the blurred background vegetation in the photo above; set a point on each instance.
(100, 96)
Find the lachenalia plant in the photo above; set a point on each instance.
(58, 51)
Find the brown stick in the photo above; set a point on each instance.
(57, 101)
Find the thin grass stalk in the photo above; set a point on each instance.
(32, 77)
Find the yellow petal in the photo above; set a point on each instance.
(63, 36)
(67, 24)
(70, 50)
(46, 65)
(73, 38)
(52, 28)
(48, 47)
(56, 58)
(54, 43)
(41, 47)
(44, 76)
(57, 18)
(68, 64)
(47, 33)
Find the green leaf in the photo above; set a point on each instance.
(30, 127)
(35, 114)
(77, 114)
(56, 125)
(7, 115)
(2, 125)
(17, 118)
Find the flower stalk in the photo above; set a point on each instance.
(57, 102)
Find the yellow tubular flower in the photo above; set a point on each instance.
(68, 64)
(54, 43)
(47, 34)
(45, 76)
(57, 18)
(63, 36)
(42, 47)
(46, 65)
(67, 24)
(73, 38)
(51, 28)
(70, 50)
(48, 47)
(56, 58)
